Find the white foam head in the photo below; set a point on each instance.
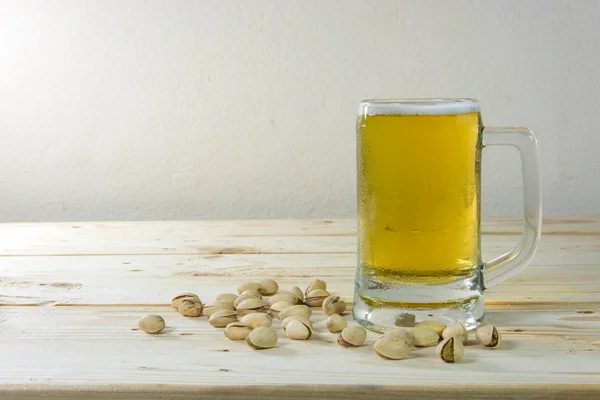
(418, 107)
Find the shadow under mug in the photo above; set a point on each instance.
(419, 193)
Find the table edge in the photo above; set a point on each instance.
(299, 392)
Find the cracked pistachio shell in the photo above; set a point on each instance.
(210, 309)
(489, 336)
(315, 284)
(402, 334)
(248, 286)
(304, 320)
(177, 300)
(268, 287)
(221, 319)
(296, 290)
(392, 347)
(457, 331)
(277, 307)
(283, 296)
(450, 349)
(256, 320)
(261, 338)
(424, 337)
(299, 309)
(333, 305)
(253, 293)
(190, 309)
(315, 298)
(226, 298)
(251, 306)
(237, 331)
(336, 323)
(297, 330)
(352, 336)
(405, 320)
(436, 326)
(248, 294)
(151, 323)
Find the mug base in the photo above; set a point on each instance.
(379, 307)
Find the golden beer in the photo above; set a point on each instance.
(419, 194)
(418, 178)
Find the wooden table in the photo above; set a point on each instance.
(71, 294)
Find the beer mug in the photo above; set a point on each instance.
(419, 195)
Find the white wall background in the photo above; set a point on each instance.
(246, 109)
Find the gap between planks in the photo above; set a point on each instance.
(582, 307)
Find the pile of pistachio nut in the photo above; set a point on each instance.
(248, 316)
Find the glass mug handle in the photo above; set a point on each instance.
(509, 264)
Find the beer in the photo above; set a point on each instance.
(418, 176)
(419, 193)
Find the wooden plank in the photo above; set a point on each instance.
(578, 225)
(81, 346)
(155, 279)
(71, 294)
(560, 247)
(242, 237)
(302, 392)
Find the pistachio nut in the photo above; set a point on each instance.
(248, 286)
(210, 309)
(268, 287)
(402, 334)
(336, 323)
(237, 331)
(284, 296)
(248, 294)
(424, 337)
(352, 336)
(392, 347)
(299, 309)
(405, 320)
(249, 306)
(456, 330)
(315, 298)
(436, 326)
(296, 290)
(190, 309)
(304, 320)
(277, 307)
(333, 305)
(177, 300)
(489, 336)
(226, 298)
(315, 284)
(262, 338)
(297, 330)
(253, 293)
(151, 323)
(256, 320)
(450, 349)
(221, 319)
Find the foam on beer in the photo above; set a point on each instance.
(418, 107)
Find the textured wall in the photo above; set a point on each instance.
(246, 109)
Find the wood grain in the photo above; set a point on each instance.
(249, 237)
(71, 294)
(153, 279)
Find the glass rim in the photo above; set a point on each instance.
(418, 106)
